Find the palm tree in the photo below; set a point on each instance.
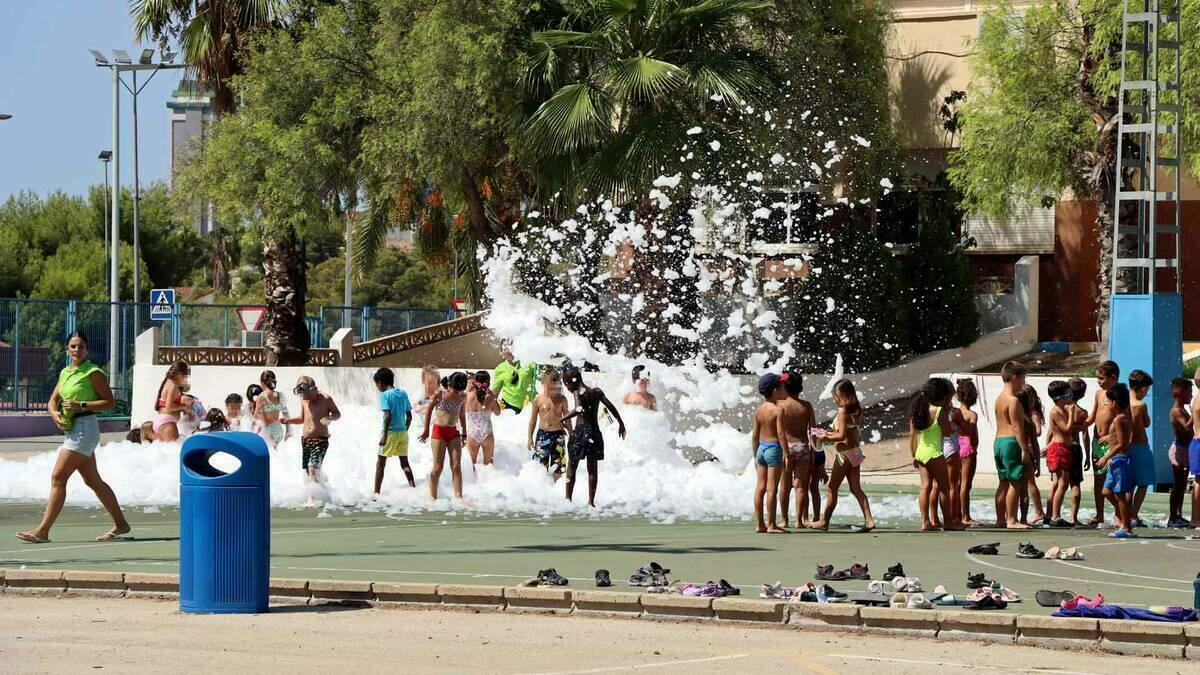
(211, 33)
(617, 85)
(618, 82)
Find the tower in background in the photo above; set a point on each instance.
(191, 109)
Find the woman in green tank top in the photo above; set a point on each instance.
(82, 391)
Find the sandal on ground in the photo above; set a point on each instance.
(894, 571)
(776, 591)
(977, 580)
(988, 601)
(1052, 553)
(1052, 598)
(602, 579)
(551, 577)
(824, 572)
(879, 587)
(899, 600)
(31, 538)
(1070, 554)
(985, 549)
(728, 588)
(857, 572)
(918, 601)
(1007, 594)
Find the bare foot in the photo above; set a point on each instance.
(114, 533)
(775, 529)
(931, 528)
(937, 525)
(1096, 520)
(1018, 526)
(971, 522)
(867, 527)
(761, 529)
(33, 538)
(819, 525)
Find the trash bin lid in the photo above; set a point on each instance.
(251, 452)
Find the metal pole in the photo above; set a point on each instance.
(137, 197)
(106, 221)
(346, 300)
(114, 295)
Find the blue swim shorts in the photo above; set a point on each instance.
(769, 453)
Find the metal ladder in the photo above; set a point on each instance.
(1149, 35)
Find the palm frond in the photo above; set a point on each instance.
(151, 17)
(576, 116)
(370, 233)
(736, 77)
(642, 78)
(563, 38)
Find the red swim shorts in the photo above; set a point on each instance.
(1058, 457)
(441, 433)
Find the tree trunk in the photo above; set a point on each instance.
(286, 285)
(476, 214)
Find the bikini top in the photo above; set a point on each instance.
(446, 406)
(270, 407)
(178, 400)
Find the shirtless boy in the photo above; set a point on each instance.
(797, 417)
(767, 441)
(1118, 484)
(1011, 448)
(316, 412)
(641, 396)
(1100, 418)
(1141, 457)
(587, 442)
(549, 408)
(1059, 436)
(1080, 458)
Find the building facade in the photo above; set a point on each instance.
(191, 109)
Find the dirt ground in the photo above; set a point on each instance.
(51, 635)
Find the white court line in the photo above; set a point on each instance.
(1177, 547)
(1083, 581)
(645, 666)
(1124, 574)
(963, 666)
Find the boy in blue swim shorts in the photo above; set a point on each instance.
(1118, 484)
(767, 439)
(1141, 457)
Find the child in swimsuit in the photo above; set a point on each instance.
(1141, 456)
(848, 460)
(1181, 427)
(1118, 481)
(317, 410)
(170, 406)
(444, 416)
(481, 406)
(549, 408)
(968, 446)
(587, 441)
(1080, 458)
(951, 449)
(767, 439)
(928, 424)
(271, 410)
(1058, 450)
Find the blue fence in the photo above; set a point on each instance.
(33, 336)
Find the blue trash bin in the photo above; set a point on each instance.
(224, 525)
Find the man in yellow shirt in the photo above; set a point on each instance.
(514, 381)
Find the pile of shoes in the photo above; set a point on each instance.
(854, 572)
(1056, 553)
(650, 575)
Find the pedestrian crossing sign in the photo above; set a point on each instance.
(162, 304)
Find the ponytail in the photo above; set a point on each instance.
(918, 410)
(176, 369)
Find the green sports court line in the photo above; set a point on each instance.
(1156, 569)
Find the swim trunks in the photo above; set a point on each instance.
(1194, 456)
(1058, 457)
(547, 446)
(1099, 449)
(1120, 475)
(1007, 453)
(586, 443)
(800, 451)
(1141, 457)
(396, 445)
(818, 458)
(769, 454)
(445, 433)
(1076, 474)
(313, 451)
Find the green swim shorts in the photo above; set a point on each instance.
(1008, 458)
(1099, 449)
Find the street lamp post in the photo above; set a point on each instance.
(106, 157)
(122, 63)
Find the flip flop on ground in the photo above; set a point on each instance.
(31, 538)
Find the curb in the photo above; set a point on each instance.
(1164, 640)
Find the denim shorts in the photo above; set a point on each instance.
(84, 436)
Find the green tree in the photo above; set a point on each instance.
(1042, 118)
(213, 34)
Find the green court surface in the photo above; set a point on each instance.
(1156, 569)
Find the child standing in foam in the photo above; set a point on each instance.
(397, 417)
(1101, 417)
(316, 412)
(481, 406)
(1181, 427)
(271, 410)
(430, 384)
(1141, 457)
(233, 411)
(766, 441)
(968, 447)
(587, 441)
(1059, 435)
(928, 424)
(444, 417)
(1118, 484)
(549, 409)
(797, 461)
(848, 457)
(1081, 459)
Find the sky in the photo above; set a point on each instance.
(61, 102)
